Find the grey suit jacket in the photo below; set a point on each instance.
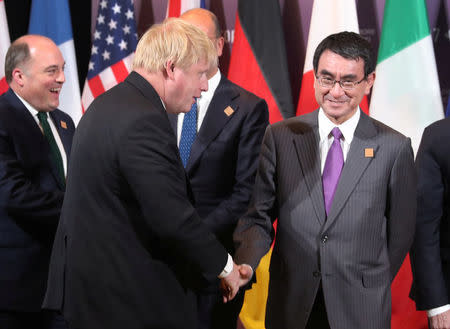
(356, 251)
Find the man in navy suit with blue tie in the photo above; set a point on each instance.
(219, 142)
(35, 142)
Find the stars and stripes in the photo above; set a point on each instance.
(114, 43)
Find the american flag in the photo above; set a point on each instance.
(114, 43)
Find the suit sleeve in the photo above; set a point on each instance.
(429, 285)
(254, 233)
(149, 161)
(24, 199)
(401, 206)
(225, 216)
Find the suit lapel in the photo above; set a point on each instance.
(33, 133)
(63, 131)
(306, 144)
(355, 165)
(215, 119)
(173, 119)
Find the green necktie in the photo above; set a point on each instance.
(56, 155)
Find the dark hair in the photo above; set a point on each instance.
(17, 55)
(349, 45)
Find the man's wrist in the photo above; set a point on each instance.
(438, 310)
(227, 269)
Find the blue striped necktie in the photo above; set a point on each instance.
(188, 134)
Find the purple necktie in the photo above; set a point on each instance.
(333, 168)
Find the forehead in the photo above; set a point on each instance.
(46, 55)
(335, 64)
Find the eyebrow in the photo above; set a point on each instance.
(344, 77)
(51, 67)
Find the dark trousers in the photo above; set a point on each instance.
(214, 314)
(318, 318)
(31, 320)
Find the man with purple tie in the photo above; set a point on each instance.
(342, 186)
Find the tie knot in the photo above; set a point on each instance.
(42, 116)
(337, 134)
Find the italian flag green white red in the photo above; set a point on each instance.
(406, 94)
(328, 17)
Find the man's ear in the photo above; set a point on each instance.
(370, 81)
(219, 46)
(18, 76)
(169, 68)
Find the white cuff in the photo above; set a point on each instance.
(438, 310)
(227, 269)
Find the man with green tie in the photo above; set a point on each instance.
(35, 143)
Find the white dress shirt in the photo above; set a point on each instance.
(202, 104)
(347, 129)
(58, 141)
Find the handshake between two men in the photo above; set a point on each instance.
(238, 277)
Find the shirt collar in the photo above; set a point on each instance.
(212, 85)
(347, 128)
(29, 107)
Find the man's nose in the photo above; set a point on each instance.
(337, 91)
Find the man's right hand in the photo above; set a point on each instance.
(239, 277)
(440, 321)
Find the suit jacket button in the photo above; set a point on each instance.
(324, 238)
(316, 274)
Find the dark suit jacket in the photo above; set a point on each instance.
(224, 157)
(430, 255)
(354, 252)
(129, 237)
(30, 202)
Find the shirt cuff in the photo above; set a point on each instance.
(438, 310)
(227, 269)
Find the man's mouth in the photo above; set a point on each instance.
(55, 90)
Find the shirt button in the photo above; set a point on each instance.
(324, 238)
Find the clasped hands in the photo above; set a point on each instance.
(239, 277)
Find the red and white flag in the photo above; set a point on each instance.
(113, 46)
(328, 17)
(176, 7)
(4, 45)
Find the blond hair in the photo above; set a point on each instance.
(173, 40)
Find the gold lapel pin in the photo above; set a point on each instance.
(64, 124)
(368, 152)
(228, 111)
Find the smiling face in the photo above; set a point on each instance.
(40, 79)
(339, 105)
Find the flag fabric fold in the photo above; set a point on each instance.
(406, 97)
(113, 45)
(406, 93)
(265, 73)
(328, 17)
(51, 18)
(258, 29)
(4, 45)
(177, 7)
